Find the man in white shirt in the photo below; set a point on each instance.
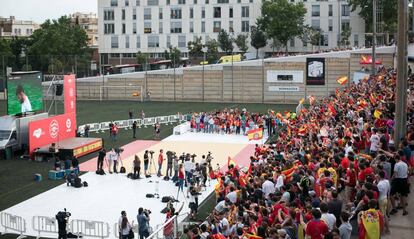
(400, 185)
(232, 195)
(25, 104)
(268, 187)
(384, 188)
(327, 217)
(112, 157)
(224, 225)
(375, 140)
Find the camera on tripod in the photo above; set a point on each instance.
(147, 212)
(119, 150)
(193, 156)
(151, 152)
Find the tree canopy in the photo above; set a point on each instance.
(257, 39)
(225, 42)
(241, 43)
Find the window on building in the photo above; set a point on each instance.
(231, 12)
(316, 23)
(123, 28)
(168, 41)
(345, 24)
(168, 2)
(203, 13)
(245, 26)
(191, 27)
(153, 41)
(181, 41)
(138, 2)
(345, 10)
(123, 14)
(195, 2)
(114, 3)
(109, 28)
(176, 27)
(203, 27)
(231, 28)
(134, 28)
(207, 1)
(191, 13)
(222, 1)
(316, 10)
(138, 42)
(330, 11)
(109, 15)
(114, 42)
(305, 43)
(176, 13)
(181, 2)
(134, 14)
(217, 26)
(217, 12)
(330, 26)
(147, 13)
(245, 11)
(356, 41)
(251, 1)
(27, 31)
(160, 28)
(326, 40)
(126, 41)
(238, 1)
(126, 3)
(160, 13)
(147, 27)
(152, 3)
(292, 42)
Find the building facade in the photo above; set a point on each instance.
(89, 22)
(10, 27)
(152, 26)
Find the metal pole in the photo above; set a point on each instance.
(374, 34)
(204, 60)
(339, 23)
(232, 78)
(401, 91)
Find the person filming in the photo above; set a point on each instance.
(143, 222)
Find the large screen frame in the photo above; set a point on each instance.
(311, 77)
(31, 92)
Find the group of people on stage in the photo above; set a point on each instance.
(333, 172)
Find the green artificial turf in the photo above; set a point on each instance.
(17, 176)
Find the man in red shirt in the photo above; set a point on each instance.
(160, 160)
(316, 229)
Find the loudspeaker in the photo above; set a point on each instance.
(59, 90)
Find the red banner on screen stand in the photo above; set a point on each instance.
(69, 87)
(51, 130)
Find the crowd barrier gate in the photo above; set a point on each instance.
(13, 223)
(44, 224)
(89, 228)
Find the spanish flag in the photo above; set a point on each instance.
(251, 236)
(332, 109)
(370, 222)
(255, 134)
(303, 129)
(301, 101)
(289, 172)
(230, 161)
(372, 98)
(342, 80)
(377, 114)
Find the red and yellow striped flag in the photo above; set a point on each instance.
(255, 134)
(342, 80)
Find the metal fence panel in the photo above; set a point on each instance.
(13, 223)
(90, 228)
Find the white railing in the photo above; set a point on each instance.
(127, 124)
(170, 232)
(89, 228)
(13, 223)
(43, 224)
(116, 229)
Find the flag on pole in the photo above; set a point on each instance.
(342, 80)
(255, 134)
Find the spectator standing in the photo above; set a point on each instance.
(143, 223)
(137, 167)
(134, 129)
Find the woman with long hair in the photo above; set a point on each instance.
(126, 227)
(180, 180)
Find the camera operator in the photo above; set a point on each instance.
(188, 168)
(143, 222)
(176, 166)
(62, 219)
(146, 161)
(170, 156)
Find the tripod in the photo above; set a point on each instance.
(152, 165)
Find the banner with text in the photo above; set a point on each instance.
(51, 130)
(69, 87)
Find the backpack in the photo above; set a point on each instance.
(166, 178)
(149, 195)
(85, 184)
(166, 199)
(78, 183)
(122, 170)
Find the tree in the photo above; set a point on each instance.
(195, 48)
(142, 59)
(212, 51)
(257, 39)
(345, 34)
(282, 20)
(389, 17)
(225, 42)
(175, 55)
(312, 36)
(241, 43)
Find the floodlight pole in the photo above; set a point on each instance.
(374, 34)
(401, 91)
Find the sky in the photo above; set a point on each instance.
(40, 10)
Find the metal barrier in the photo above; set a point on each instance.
(104, 126)
(13, 223)
(169, 229)
(45, 224)
(116, 229)
(90, 228)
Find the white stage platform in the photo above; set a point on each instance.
(216, 138)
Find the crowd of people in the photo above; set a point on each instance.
(334, 171)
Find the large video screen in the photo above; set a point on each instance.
(24, 92)
(315, 71)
